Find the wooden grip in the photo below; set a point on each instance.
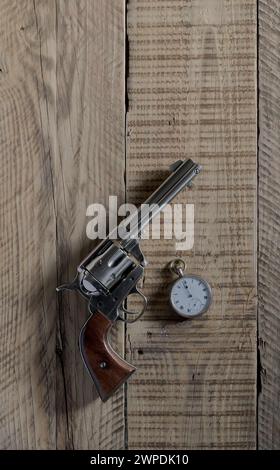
(107, 369)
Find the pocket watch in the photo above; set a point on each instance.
(190, 295)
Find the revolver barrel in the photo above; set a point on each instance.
(182, 173)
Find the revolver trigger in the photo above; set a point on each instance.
(144, 299)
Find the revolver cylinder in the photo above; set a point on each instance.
(106, 268)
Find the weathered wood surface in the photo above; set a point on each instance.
(192, 93)
(62, 148)
(90, 166)
(28, 259)
(269, 227)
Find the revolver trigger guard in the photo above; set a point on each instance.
(128, 312)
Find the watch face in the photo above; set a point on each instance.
(190, 296)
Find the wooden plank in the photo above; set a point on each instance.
(28, 255)
(62, 145)
(269, 227)
(90, 163)
(192, 94)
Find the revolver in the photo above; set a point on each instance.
(109, 275)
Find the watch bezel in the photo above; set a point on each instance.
(209, 301)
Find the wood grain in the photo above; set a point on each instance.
(62, 148)
(192, 94)
(269, 227)
(28, 251)
(90, 163)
